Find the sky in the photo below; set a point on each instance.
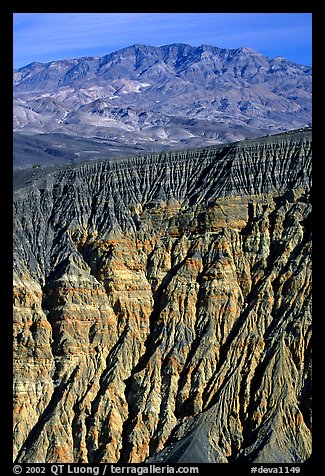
(47, 37)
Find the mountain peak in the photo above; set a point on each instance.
(165, 96)
(244, 49)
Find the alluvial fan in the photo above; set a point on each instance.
(162, 307)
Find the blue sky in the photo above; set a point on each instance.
(49, 36)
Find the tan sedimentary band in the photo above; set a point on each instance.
(165, 324)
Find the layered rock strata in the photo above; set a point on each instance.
(162, 307)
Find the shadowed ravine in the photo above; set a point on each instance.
(162, 307)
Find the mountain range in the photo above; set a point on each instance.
(148, 98)
(162, 298)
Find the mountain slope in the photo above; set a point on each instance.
(163, 307)
(164, 96)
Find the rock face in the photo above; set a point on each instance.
(146, 98)
(162, 307)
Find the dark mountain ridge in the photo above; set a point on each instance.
(138, 61)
